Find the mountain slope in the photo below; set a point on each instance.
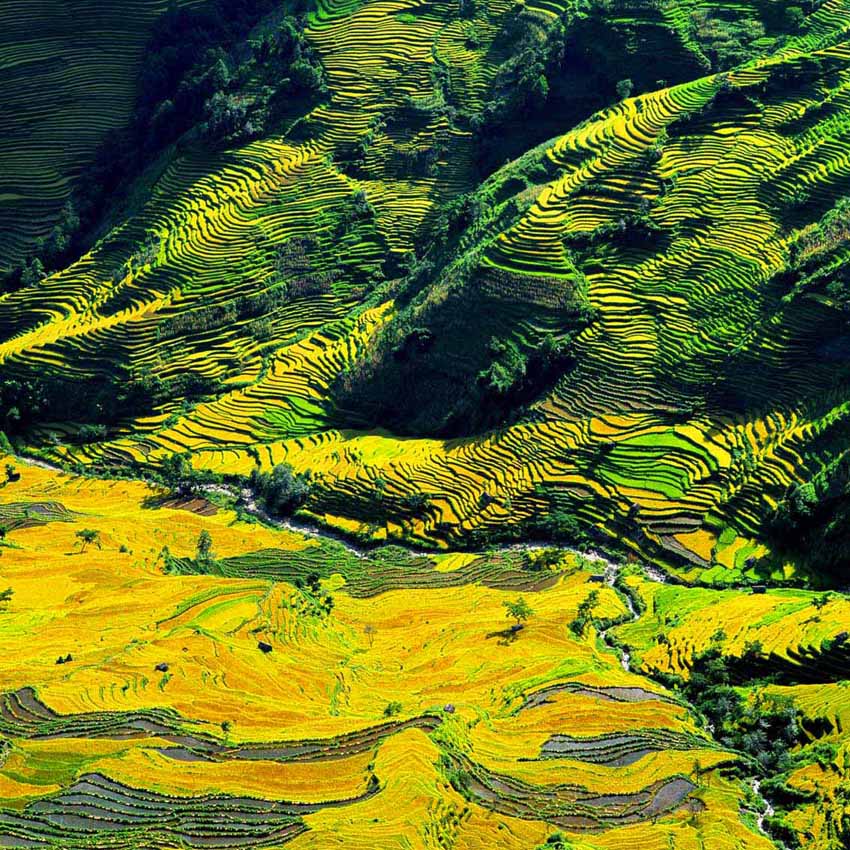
(631, 285)
(424, 424)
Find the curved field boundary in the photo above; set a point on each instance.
(619, 749)
(615, 693)
(24, 715)
(15, 515)
(568, 806)
(371, 575)
(98, 812)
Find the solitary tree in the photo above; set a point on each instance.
(370, 631)
(204, 550)
(87, 536)
(518, 610)
(556, 841)
(624, 89)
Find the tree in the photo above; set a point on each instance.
(518, 610)
(370, 631)
(92, 433)
(228, 117)
(282, 490)
(624, 89)
(306, 77)
(556, 841)
(794, 17)
(584, 615)
(87, 536)
(32, 273)
(6, 596)
(204, 550)
(181, 478)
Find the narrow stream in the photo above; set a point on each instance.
(768, 810)
(612, 571)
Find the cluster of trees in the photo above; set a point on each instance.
(514, 376)
(200, 71)
(765, 727)
(282, 490)
(542, 560)
(49, 252)
(818, 259)
(27, 401)
(21, 403)
(223, 315)
(409, 379)
(812, 522)
(182, 479)
(725, 37)
(98, 402)
(584, 615)
(311, 600)
(560, 525)
(560, 72)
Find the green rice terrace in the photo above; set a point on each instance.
(425, 424)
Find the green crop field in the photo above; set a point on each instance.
(425, 424)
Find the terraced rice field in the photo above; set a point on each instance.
(67, 72)
(785, 645)
(405, 716)
(354, 678)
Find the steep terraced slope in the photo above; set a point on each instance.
(653, 251)
(67, 77)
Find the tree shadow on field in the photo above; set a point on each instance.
(506, 636)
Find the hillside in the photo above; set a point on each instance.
(328, 332)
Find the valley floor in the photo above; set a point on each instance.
(271, 688)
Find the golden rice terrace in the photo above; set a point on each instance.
(425, 425)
